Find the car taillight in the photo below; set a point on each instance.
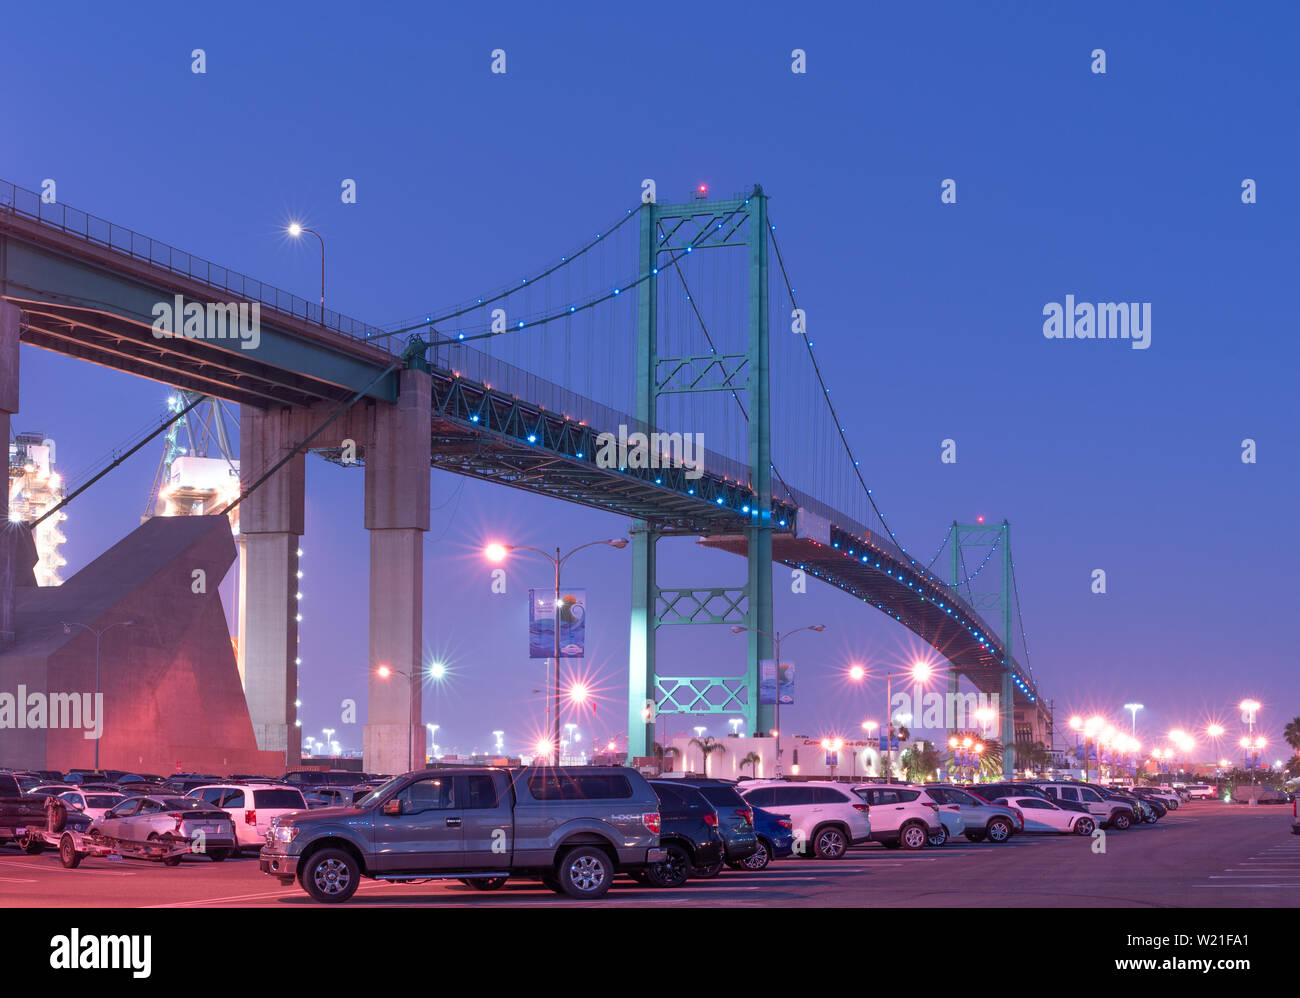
(651, 821)
(250, 817)
(932, 805)
(178, 818)
(786, 823)
(711, 819)
(864, 808)
(1020, 816)
(745, 813)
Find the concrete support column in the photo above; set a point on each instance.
(397, 516)
(271, 522)
(9, 319)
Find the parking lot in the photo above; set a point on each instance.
(1206, 854)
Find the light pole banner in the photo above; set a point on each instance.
(541, 623)
(767, 682)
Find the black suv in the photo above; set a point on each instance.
(735, 820)
(688, 832)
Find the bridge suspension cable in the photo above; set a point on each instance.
(942, 544)
(1024, 638)
(857, 469)
(533, 322)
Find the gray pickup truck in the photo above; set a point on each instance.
(573, 828)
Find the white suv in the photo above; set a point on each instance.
(253, 806)
(1200, 791)
(826, 815)
(901, 816)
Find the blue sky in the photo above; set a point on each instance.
(1123, 186)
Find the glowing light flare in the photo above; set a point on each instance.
(496, 552)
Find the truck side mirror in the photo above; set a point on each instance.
(393, 806)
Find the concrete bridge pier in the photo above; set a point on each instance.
(271, 523)
(9, 320)
(397, 516)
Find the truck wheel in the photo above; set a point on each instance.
(585, 872)
(486, 883)
(673, 871)
(68, 854)
(331, 876)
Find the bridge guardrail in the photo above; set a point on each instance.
(119, 239)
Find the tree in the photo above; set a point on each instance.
(921, 762)
(1292, 733)
(1031, 755)
(707, 746)
(665, 752)
(752, 760)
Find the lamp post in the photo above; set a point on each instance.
(1253, 746)
(777, 638)
(497, 552)
(918, 674)
(99, 633)
(384, 672)
(297, 230)
(1133, 709)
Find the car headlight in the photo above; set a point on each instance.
(283, 833)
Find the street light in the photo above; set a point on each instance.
(1133, 708)
(833, 745)
(297, 230)
(384, 671)
(919, 673)
(497, 552)
(98, 632)
(1249, 708)
(777, 638)
(1253, 746)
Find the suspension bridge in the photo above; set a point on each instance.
(678, 320)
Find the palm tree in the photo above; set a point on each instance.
(1032, 755)
(707, 746)
(752, 760)
(669, 752)
(1292, 733)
